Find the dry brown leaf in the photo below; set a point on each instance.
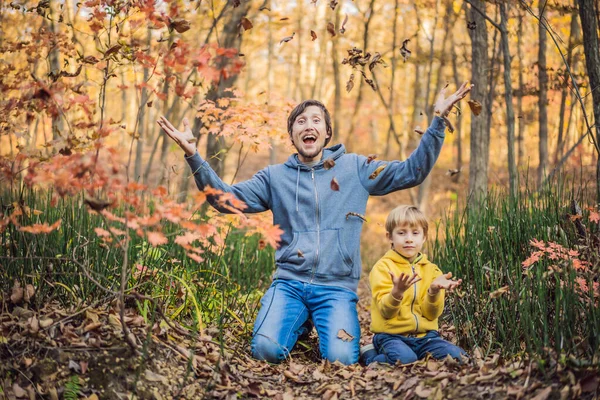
(92, 327)
(345, 336)
(92, 316)
(84, 366)
(589, 384)
(335, 186)
(112, 50)
(28, 293)
(371, 157)
(376, 173)
(404, 52)
(46, 322)
(475, 106)
(329, 163)
(318, 375)
(355, 214)
(246, 24)
(419, 131)
(331, 29)
(313, 35)
(17, 293)
(544, 394)
(53, 393)
(18, 391)
(423, 392)
(499, 292)
(343, 28)
(27, 362)
(291, 376)
(154, 377)
(333, 4)
(300, 254)
(432, 365)
(287, 38)
(350, 83)
(34, 324)
(180, 25)
(114, 321)
(93, 396)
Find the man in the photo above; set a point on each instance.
(316, 197)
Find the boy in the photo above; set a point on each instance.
(318, 261)
(407, 296)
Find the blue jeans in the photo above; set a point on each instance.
(285, 309)
(392, 348)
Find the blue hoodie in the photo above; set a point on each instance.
(321, 239)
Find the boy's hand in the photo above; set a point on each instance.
(443, 105)
(443, 282)
(402, 283)
(184, 139)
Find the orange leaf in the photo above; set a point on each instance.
(335, 185)
(156, 238)
(41, 228)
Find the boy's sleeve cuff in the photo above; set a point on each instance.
(438, 126)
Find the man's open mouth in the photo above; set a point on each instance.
(309, 139)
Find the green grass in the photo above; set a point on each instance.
(543, 312)
(222, 291)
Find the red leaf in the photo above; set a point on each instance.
(335, 185)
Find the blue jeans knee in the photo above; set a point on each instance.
(266, 349)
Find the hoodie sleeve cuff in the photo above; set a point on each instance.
(438, 126)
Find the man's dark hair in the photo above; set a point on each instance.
(299, 109)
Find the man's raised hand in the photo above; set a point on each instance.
(443, 105)
(402, 283)
(185, 139)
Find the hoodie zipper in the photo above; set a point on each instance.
(412, 266)
(318, 226)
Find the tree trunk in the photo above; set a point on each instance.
(393, 62)
(458, 132)
(573, 37)
(368, 17)
(510, 114)
(142, 135)
(589, 27)
(478, 166)
(54, 58)
(543, 99)
(336, 77)
(520, 116)
(230, 38)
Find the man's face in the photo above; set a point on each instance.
(309, 133)
(407, 240)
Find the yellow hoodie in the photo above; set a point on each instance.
(417, 312)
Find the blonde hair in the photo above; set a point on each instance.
(406, 215)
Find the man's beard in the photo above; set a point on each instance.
(312, 154)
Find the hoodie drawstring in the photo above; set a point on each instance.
(297, 184)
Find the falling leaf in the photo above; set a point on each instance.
(74, 365)
(475, 106)
(262, 243)
(345, 336)
(419, 131)
(17, 293)
(333, 4)
(448, 124)
(354, 214)
(300, 254)
(375, 60)
(112, 50)
(472, 25)
(149, 104)
(499, 292)
(313, 35)
(329, 163)
(371, 157)
(453, 172)
(376, 173)
(404, 52)
(246, 24)
(343, 28)
(180, 25)
(96, 204)
(283, 19)
(371, 83)
(331, 29)
(335, 185)
(350, 83)
(287, 38)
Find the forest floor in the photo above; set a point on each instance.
(54, 353)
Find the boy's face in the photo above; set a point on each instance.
(407, 240)
(309, 133)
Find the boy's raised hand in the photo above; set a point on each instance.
(402, 283)
(443, 282)
(185, 139)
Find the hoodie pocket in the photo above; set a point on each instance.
(299, 255)
(334, 259)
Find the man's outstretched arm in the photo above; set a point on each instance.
(254, 193)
